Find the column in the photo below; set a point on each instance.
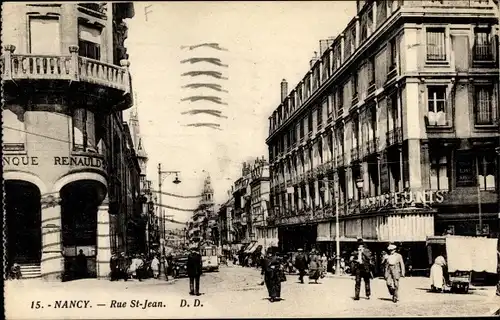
(316, 193)
(52, 265)
(374, 17)
(299, 190)
(357, 34)
(342, 46)
(308, 201)
(414, 164)
(103, 240)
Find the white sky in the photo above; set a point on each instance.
(267, 41)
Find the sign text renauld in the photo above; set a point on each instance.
(79, 161)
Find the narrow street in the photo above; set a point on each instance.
(235, 292)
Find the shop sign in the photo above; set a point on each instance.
(77, 161)
(466, 173)
(402, 199)
(19, 161)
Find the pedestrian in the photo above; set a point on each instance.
(437, 274)
(155, 267)
(324, 263)
(362, 263)
(314, 267)
(194, 270)
(81, 265)
(342, 266)
(271, 271)
(394, 270)
(301, 264)
(113, 265)
(123, 265)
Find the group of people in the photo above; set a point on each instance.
(136, 267)
(314, 263)
(362, 266)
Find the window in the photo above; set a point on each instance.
(310, 122)
(392, 54)
(436, 102)
(319, 111)
(364, 28)
(84, 131)
(482, 45)
(329, 104)
(436, 44)
(439, 173)
(89, 42)
(301, 128)
(371, 70)
(355, 84)
(44, 35)
(487, 169)
(14, 132)
(340, 99)
(483, 102)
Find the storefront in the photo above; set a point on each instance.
(293, 237)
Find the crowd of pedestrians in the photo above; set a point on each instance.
(138, 266)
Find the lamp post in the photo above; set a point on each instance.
(334, 192)
(161, 175)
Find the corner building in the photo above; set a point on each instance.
(397, 119)
(66, 82)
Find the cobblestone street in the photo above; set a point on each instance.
(235, 292)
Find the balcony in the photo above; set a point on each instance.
(394, 136)
(73, 69)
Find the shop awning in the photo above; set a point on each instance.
(466, 216)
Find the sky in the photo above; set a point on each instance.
(265, 41)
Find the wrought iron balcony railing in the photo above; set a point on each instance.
(395, 136)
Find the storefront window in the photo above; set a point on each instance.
(486, 167)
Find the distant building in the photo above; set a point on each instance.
(202, 227)
(397, 120)
(71, 174)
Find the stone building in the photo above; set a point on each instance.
(71, 175)
(395, 126)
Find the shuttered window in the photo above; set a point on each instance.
(89, 42)
(482, 45)
(436, 44)
(44, 33)
(484, 105)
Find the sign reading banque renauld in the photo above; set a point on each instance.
(70, 161)
(403, 199)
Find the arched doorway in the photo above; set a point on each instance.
(23, 221)
(79, 206)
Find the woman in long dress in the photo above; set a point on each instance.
(271, 268)
(314, 267)
(437, 274)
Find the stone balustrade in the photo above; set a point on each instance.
(71, 67)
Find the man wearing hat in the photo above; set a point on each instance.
(362, 264)
(394, 270)
(194, 265)
(301, 264)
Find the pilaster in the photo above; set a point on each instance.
(103, 240)
(52, 265)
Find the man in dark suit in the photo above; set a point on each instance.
(362, 264)
(194, 265)
(301, 263)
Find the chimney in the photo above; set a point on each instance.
(323, 46)
(284, 90)
(314, 59)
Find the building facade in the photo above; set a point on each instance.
(202, 227)
(394, 127)
(250, 207)
(65, 161)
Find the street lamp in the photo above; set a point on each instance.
(161, 175)
(335, 195)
